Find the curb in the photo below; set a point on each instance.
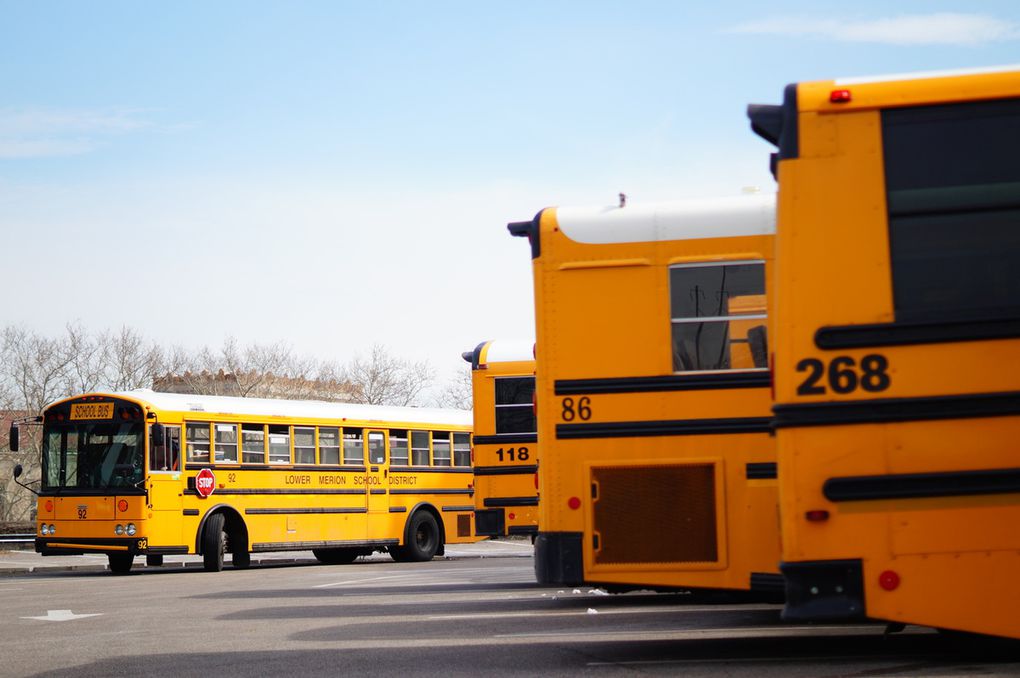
(197, 565)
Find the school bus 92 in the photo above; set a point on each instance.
(151, 474)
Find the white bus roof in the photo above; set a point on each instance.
(306, 409)
(742, 215)
(508, 351)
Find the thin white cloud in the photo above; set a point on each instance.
(943, 28)
(40, 132)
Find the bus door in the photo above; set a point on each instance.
(165, 487)
(376, 479)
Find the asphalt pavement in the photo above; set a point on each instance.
(18, 562)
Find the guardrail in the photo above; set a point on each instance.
(16, 538)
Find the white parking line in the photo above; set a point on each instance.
(362, 581)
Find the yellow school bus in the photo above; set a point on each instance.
(897, 335)
(150, 474)
(505, 438)
(652, 389)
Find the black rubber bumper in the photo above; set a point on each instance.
(559, 560)
(824, 590)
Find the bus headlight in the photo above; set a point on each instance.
(53, 529)
(119, 530)
(43, 530)
(131, 529)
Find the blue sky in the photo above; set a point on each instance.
(339, 174)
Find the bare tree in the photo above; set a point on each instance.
(129, 361)
(383, 379)
(36, 372)
(457, 393)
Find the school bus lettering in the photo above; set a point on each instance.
(843, 376)
(332, 480)
(294, 479)
(403, 480)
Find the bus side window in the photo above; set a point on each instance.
(376, 448)
(165, 453)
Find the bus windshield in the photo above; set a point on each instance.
(92, 455)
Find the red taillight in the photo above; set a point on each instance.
(49, 505)
(839, 96)
(817, 515)
(122, 505)
(512, 516)
(574, 503)
(889, 580)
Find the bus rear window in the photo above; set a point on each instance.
(514, 410)
(953, 198)
(718, 316)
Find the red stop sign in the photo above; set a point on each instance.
(205, 482)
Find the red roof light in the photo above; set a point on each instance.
(839, 96)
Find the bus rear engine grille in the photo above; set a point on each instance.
(655, 514)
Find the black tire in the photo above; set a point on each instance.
(421, 542)
(214, 543)
(154, 560)
(337, 556)
(241, 560)
(120, 563)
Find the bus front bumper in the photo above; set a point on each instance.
(74, 546)
(824, 590)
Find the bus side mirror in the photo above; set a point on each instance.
(17, 471)
(14, 439)
(157, 437)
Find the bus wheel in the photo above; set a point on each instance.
(154, 560)
(422, 541)
(241, 560)
(120, 563)
(336, 556)
(214, 543)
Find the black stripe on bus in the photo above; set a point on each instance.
(677, 427)
(767, 582)
(463, 491)
(289, 511)
(674, 382)
(166, 550)
(506, 470)
(495, 502)
(398, 509)
(194, 493)
(921, 485)
(761, 470)
(433, 469)
(191, 512)
(522, 529)
(286, 468)
(891, 410)
(506, 439)
(374, 491)
(459, 508)
(904, 334)
(306, 545)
